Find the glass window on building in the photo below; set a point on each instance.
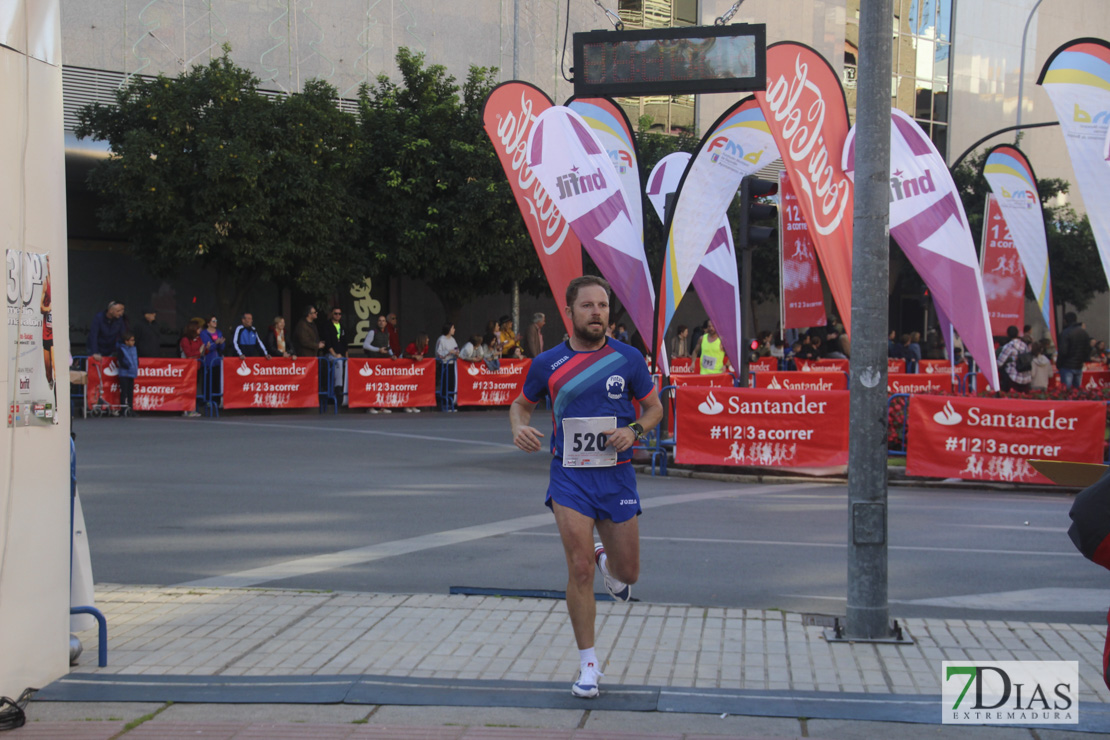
(667, 113)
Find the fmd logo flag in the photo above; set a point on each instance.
(1010, 692)
(1077, 79)
(927, 220)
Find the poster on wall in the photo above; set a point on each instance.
(31, 366)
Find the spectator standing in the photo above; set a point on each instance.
(1042, 367)
(508, 337)
(191, 346)
(447, 348)
(622, 334)
(1010, 376)
(417, 349)
(107, 330)
(214, 345)
(394, 335)
(1073, 351)
(276, 345)
(680, 346)
(493, 329)
(472, 350)
(148, 335)
(127, 365)
(533, 338)
(334, 337)
(306, 335)
(379, 342)
(245, 341)
(447, 351)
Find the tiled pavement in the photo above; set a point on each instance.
(226, 633)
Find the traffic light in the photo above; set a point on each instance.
(752, 212)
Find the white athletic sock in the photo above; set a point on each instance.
(587, 656)
(603, 563)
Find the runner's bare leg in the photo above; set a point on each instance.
(622, 546)
(577, 530)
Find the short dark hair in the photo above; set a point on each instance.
(1070, 317)
(446, 328)
(308, 310)
(1012, 332)
(579, 282)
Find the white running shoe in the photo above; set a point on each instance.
(372, 411)
(617, 589)
(586, 686)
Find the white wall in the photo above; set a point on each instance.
(34, 460)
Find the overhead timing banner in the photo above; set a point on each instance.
(1077, 79)
(802, 300)
(927, 220)
(575, 169)
(508, 116)
(1003, 275)
(716, 280)
(738, 144)
(804, 107)
(1014, 186)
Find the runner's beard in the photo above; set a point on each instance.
(590, 335)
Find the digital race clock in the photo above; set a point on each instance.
(671, 61)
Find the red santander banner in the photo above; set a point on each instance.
(827, 364)
(480, 386)
(895, 365)
(682, 365)
(374, 383)
(264, 383)
(702, 381)
(803, 301)
(162, 384)
(763, 365)
(942, 367)
(1003, 273)
(801, 381)
(994, 438)
(745, 426)
(919, 383)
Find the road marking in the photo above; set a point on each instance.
(429, 437)
(360, 555)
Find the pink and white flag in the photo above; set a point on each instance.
(575, 169)
(716, 280)
(928, 221)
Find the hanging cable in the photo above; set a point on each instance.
(615, 19)
(728, 16)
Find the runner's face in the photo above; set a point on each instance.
(590, 313)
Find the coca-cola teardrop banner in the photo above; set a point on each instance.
(507, 116)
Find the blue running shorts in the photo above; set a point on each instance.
(599, 493)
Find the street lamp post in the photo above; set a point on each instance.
(1021, 71)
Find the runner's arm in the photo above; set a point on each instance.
(525, 437)
(651, 413)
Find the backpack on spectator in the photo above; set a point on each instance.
(1023, 363)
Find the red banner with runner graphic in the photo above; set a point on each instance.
(920, 383)
(374, 383)
(803, 300)
(994, 438)
(162, 384)
(942, 367)
(480, 386)
(796, 380)
(745, 426)
(1003, 273)
(265, 383)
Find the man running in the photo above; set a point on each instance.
(591, 380)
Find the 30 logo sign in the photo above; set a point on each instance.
(1014, 692)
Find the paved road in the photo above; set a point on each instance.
(421, 503)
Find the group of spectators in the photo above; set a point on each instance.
(1025, 364)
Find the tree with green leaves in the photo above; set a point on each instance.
(1072, 254)
(207, 170)
(440, 208)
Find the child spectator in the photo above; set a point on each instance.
(127, 363)
(1042, 366)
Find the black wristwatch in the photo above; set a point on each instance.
(637, 429)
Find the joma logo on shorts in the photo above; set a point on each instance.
(628, 502)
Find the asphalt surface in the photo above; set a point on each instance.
(421, 503)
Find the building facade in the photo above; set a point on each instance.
(958, 65)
